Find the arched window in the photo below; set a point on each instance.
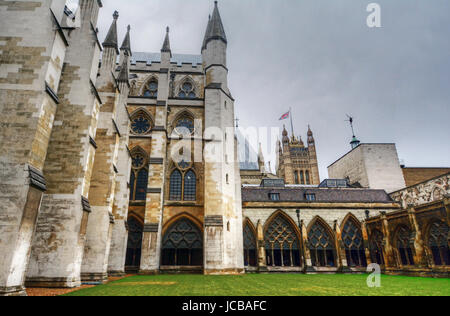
(308, 180)
(185, 126)
(376, 247)
(141, 123)
(151, 89)
(354, 244)
(187, 90)
(134, 246)
(282, 243)
(321, 246)
(182, 245)
(190, 186)
(139, 176)
(438, 194)
(302, 177)
(296, 177)
(438, 243)
(249, 246)
(176, 181)
(402, 242)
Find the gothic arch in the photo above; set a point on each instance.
(402, 246)
(182, 242)
(250, 243)
(187, 92)
(148, 80)
(176, 218)
(184, 113)
(139, 174)
(282, 240)
(353, 241)
(437, 193)
(139, 119)
(376, 241)
(436, 241)
(322, 243)
(134, 245)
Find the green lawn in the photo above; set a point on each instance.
(267, 285)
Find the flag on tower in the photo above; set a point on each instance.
(285, 116)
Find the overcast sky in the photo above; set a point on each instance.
(321, 59)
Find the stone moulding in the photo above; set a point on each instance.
(51, 93)
(154, 190)
(37, 179)
(151, 228)
(86, 205)
(156, 161)
(214, 221)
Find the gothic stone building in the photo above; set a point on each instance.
(99, 169)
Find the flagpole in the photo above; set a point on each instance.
(292, 124)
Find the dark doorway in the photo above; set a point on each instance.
(133, 259)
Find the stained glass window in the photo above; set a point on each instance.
(296, 177)
(302, 177)
(185, 126)
(438, 243)
(139, 177)
(140, 124)
(175, 186)
(321, 246)
(151, 89)
(402, 240)
(354, 244)
(308, 180)
(190, 186)
(187, 91)
(183, 164)
(141, 185)
(250, 250)
(281, 243)
(182, 245)
(376, 247)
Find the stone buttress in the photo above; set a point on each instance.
(33, 48)
(58, 246)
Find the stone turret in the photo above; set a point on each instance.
(214, 52)
(223, 209)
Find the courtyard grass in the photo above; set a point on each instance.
(268, 285)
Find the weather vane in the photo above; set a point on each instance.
(355, 142)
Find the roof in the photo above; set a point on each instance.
(179, 59)
(254, 194)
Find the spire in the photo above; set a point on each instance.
(126, 45)
(123, 74)
(311, 140)
(215, 29)
(285, 135)
(166, 44)
(208, 28)
(111, 38)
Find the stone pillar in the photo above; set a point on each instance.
(308, 268)
(387, 249)
(58, 245)
(262, 263)
(31, 59)
(154, 207)
(420, 257)
(340, 249)
(366, 242)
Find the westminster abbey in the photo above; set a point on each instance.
(114, 161)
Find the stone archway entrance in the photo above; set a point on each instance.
(182, 245)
